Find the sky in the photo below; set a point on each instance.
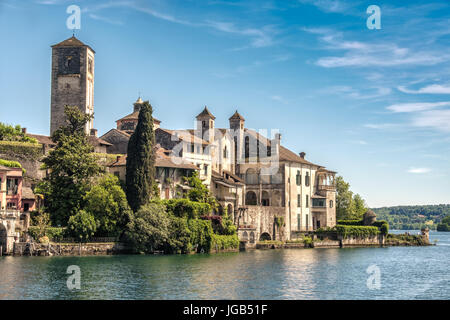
(371, 104)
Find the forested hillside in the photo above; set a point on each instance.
(413, 217)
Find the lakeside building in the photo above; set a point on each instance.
(269, 191)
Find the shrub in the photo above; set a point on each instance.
(223, 242)
(82, 225)
(350, 222)
(356, 231)
(16, 148)
(201, 234)
(148, 229)
(12, 164)
(187, 208)
(179, 236)
(44, 239)
(382, 225)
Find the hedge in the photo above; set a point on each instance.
(221, 242)
(356, 231)
(350, 222)
(12, 164)
(382, 225)
(53, 233)
(187, 208)
(21, 148)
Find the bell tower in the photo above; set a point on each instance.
(72, 81)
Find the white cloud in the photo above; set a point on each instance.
(419, 170)
(334, 6)
(279, 99)
(351, 92)
(437, 119)
(104, 19)
(380, 125)
(416, 106)
(430, 89)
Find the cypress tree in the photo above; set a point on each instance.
(140, 170)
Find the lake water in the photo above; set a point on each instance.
(405, 273)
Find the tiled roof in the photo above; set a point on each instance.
(95, 141)
(236, 115)
(71, 42)
(186, 135)
(135, 116)
(288, 155)
(126, 134)
(27, 193)
(41, 138)
(162, 160)
(206, 112)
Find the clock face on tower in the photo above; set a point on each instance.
(69, 61)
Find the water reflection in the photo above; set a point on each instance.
(406, 273)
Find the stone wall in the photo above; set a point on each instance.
(263, 218)
(69, 249)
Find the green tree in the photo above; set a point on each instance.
(82, 225)
(140, 170)
(10, 133)
(359, 206)
(71, 166)
(344, 200)
(200, 192)
(148, 229)
(107, 202)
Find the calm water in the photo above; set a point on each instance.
(406, 273)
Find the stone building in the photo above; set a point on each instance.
(72, 80)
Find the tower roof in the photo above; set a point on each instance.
(206, 112)
(71, 42)
(236, 115)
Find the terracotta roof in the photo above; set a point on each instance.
(95, 141)
(186, 135)
(231, 180)
(236, 115)
(27, 193)
(288, 155)
(126, 134)
(41, 138)
(162, 160)
(71, 42)
(135, 116)
(205, 112)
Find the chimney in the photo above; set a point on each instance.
(302, 155)
(24, 130)
(94, 132)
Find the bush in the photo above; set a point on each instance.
(15, 148)
(350, 222)
(179, 236)
(187, 208)
(382, 225)
(223, 242)
(82, 226)
(201, 235)
(356, 231)
(12, 164)
(148, 229)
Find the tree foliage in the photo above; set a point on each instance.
(10, 133)
(140, 170)
(71, 166)
(348, 206)
(200, 192)
(82, 226)
(148, 229)
(107, 202)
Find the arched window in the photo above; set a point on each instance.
(225, 152)
(331, 203)
(265, 199)
(307, 179)
(298, 178)
(250, 198)
(252, 237)
(245, 236)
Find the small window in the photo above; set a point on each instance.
(298, 178)
(205, 168)
(307, 201)
(192, 148)
(299, 200)
(331, 203)
(225, 152)
(307, 179)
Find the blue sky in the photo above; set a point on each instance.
(373, 105)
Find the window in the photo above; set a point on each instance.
(331, 203)
(298, 178)
(192, 148)
(12, 185)
(307, 179)
(225, 152)
(247, 148)
(269, 151)
(198, 149)
(307, 221)
(90, 66)
(250, 198)
(299, 200)
(205, 167)
(307, 201)
(299, 222)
